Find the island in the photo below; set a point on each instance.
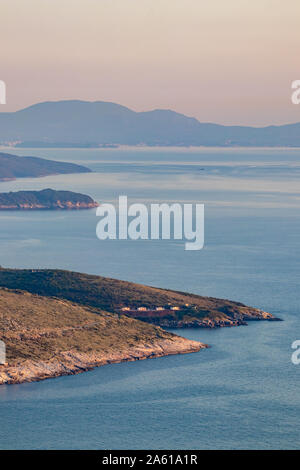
(12, 167)
(48, 337)
(47, 199)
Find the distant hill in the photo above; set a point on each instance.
(111, 295)
(48, 337)
(12, 167)
(45, 199)
(81, 123)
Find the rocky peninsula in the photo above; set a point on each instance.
(162, 307)
(56, 322)
(48, 337)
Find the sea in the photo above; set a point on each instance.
(243, 392)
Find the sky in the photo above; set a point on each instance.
(229, 62)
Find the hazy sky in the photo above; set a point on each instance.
(225, 61)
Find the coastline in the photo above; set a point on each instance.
(74, 362)
(55, 207)
(160, 147)
(240, 317)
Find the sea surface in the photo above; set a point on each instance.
(243, 392)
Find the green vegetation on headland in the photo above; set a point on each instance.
(112, 295)
(45, 199)
(12, 167)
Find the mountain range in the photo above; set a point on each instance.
(92, 124)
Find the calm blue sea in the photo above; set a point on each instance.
(243, 393)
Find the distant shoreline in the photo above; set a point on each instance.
(152, 147)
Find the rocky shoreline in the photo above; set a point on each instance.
(234, 317)
(66, 205)
(73, 362)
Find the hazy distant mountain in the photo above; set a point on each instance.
(83, 123)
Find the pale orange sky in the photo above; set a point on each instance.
(225, 61)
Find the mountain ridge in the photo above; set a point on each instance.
(97, 123)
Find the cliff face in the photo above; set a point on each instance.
(48, 337)
(47, 199)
